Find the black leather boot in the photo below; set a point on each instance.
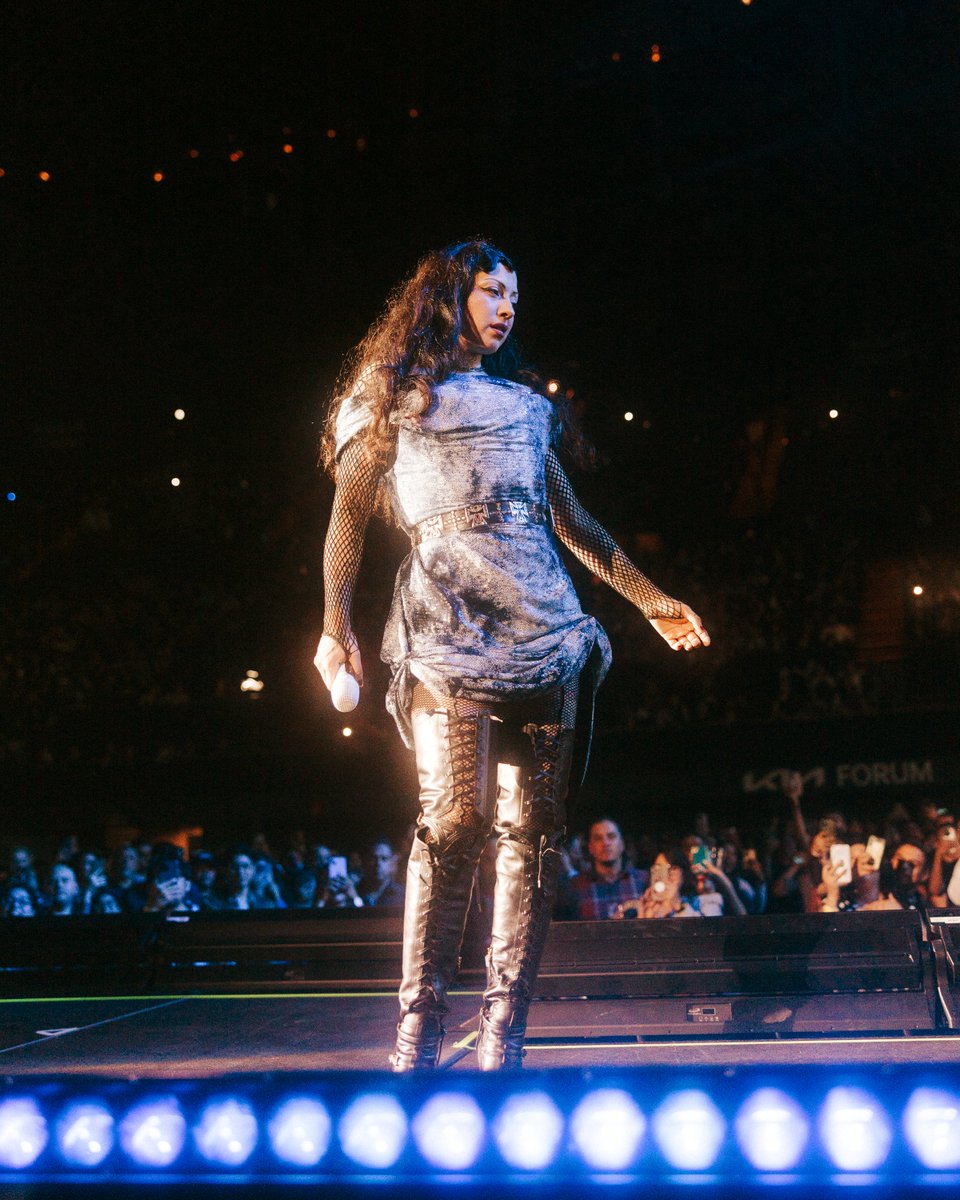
(452, 740)
(529, 824)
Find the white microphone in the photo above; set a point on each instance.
(345, 692)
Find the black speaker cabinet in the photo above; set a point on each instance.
(348, 950)
(76, 956)
(945, 943)
(868, 972)
(780, 974)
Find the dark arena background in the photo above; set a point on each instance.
(735, 229)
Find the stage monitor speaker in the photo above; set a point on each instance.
(347, 950)
(76, 956)
(813, 973)
(868, 972)
(945, 944)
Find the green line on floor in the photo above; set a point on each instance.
(209, 996)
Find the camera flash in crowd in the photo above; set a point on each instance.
(175, 481)
(179, 414)
(628, 416)
(833, 414)
(347, 731)
(553, 387)
(918, 589)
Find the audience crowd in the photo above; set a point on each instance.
(109, 603)
(793, 864)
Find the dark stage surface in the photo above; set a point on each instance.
(198, 1036)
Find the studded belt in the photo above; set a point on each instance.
(479, 516)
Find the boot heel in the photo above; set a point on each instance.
(419, 1041)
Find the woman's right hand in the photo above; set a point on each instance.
(330, 657)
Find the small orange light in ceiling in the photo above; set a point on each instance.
(654, 53)
(44, 176)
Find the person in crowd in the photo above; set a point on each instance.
(788, 871)
(23, 872)
(742, 867)
(574, 855)
(718, 896)
(19, 901)
(105, 902)
(63, 891)
(672, 891)
(302, 888)
(237, 876)
(319, 859)
(943, 862)
(894, 889)
(339, 889)
(69, 850)
(168, 888)
(379, 887)
(608, 884)
(203, 872)
(910, 864)
(92, 878)
(125, 875)
(486, 633)
(144, 851)
(264, 889)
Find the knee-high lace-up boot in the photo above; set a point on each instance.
(529, 822)
(452, 740)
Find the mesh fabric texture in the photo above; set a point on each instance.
(597, 550)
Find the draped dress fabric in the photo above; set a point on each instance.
(489, 613)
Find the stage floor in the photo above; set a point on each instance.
(142, 1037)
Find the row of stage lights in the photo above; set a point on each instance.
(554, 1125)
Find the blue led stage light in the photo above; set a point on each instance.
(373, 1131)
(226, 1132)
(527, 1131)
(607, 1127)
(449, 1131)
(300, 1131)
(85, 1133)
(931, 1124)
(23, 1132)
(772, 1130)
(689, 1130)
(855, 1130)
(741, 1127)
(152, 1133)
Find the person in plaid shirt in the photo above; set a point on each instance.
(598, 893)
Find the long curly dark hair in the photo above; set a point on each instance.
(414, 345)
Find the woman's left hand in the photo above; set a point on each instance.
(685, 632)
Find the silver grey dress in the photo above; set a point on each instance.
(487, 613)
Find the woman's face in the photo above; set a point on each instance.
(490, 312)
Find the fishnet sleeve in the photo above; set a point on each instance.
(597, 550)
(357, 481)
